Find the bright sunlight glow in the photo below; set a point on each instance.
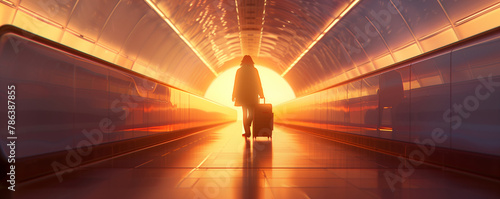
(276, 89)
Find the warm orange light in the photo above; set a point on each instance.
(262, 28)
(40, 17)
(176, 30)
(8, 3)
(477, 14)
(238, 19)
(385, 129)
(276, 89)
(107, 48)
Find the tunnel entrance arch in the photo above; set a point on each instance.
(276, 88)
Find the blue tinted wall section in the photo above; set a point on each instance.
(453, 92)
(62, 100)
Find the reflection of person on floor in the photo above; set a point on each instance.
(247, 88)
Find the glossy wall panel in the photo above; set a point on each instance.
(475, 90)
(453, 93)
(369, 106)
(91, 102)
(430, 97)
(40, 114)
(61, 98)
(394, 99)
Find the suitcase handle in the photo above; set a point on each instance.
(262, 98)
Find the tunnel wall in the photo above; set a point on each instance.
(127, 33)
(448, 99)
(379, 33)
(67, 100)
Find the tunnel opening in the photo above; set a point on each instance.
(276, 88)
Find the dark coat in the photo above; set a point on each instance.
(247, 86)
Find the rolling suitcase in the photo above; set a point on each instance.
(263, 120)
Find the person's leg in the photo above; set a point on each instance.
(246, 121)
(244, 115)
(250, 115)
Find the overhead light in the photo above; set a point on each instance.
(477, 14)
(155, 8)
(348, 8)
(169, 22)
(8, 3)
(239, 25)
(320, 36)
(262, 28)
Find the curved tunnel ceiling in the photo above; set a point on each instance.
(275, 32)
(188, 43)
(378, 33)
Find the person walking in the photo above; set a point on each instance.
(246, 91)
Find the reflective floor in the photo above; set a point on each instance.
(219, 163)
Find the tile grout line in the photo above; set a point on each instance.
(192, 170)
(268, 183)
(86, 165)
(142, 164)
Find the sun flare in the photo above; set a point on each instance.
(276, 89)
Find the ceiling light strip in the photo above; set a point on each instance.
(169, 22)
(239, 25)
(262, 28)
(477, 14)
(8, 3)
(320, 36)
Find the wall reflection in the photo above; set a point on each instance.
(62, 96)
(378, 33)
(446, 91)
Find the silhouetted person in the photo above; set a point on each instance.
(246, 91)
